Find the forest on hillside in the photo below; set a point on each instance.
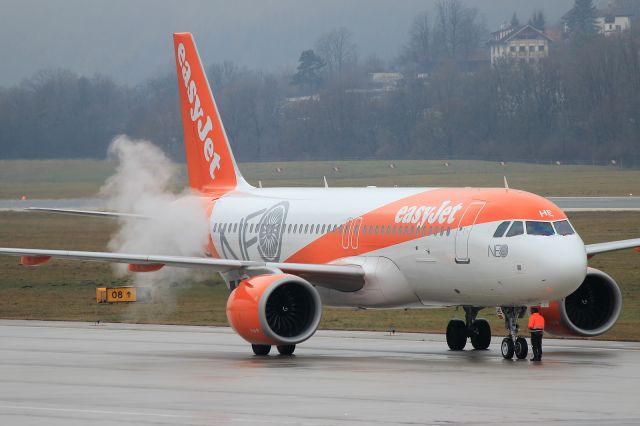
(443, 100)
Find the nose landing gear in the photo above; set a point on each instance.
(512, 344)
(477, 329)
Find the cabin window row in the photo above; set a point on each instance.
(332, 228)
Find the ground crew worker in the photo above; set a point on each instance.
(536, 326)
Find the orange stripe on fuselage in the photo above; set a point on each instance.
(501, 204)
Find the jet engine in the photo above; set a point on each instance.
(279, 309)
(589, 311)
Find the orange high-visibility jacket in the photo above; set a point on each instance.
(536, 322)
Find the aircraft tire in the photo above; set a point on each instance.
(507, 348)
(286, 349)
(456, 335)
(481, 334)
(521, 348)
(261, 350)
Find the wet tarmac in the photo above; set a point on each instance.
(60, 373)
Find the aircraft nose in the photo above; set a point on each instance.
(564, 266)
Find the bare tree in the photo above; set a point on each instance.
(457, 30)
(338, 51)
(417, 53)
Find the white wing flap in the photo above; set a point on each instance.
(339, 277)
(93, 213)
(612, 246)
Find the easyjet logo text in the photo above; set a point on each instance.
(429, 214)
(197, 114)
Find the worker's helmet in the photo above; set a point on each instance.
(534, 310)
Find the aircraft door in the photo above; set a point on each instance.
(464, 232)
(351, 233)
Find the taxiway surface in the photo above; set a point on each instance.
(60, 373)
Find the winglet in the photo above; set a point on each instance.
(210, 163)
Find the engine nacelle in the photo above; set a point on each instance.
(589, 311)
(277, 309)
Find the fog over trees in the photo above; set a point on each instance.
(438, 99)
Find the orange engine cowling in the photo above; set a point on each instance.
(277, 309)
(589, 311)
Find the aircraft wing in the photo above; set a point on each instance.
(336, 276)
(593, 249)
(93, 213)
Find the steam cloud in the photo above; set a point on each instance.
(173, 224)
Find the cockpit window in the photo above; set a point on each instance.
(501, 229)
(516, 229)
(563, 227)
(539, 228)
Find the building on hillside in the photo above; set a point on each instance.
(608, 21)
(523, 43)
(609, 24)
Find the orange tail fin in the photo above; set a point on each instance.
(210, 162)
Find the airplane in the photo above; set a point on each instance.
(284, 253)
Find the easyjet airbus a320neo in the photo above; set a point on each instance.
(286, 252)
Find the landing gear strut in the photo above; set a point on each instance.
(477, 329)
(512, 344)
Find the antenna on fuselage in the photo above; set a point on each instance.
(259, 184)
(506, 184)
(326, 185)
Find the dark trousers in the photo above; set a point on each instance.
(536, 343)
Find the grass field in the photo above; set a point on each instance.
(65, 290)
(83, 178)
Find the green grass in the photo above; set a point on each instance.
(65, 290)
(83, 178)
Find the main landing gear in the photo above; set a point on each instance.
(477, 329)
(263, 350)
(512, 344)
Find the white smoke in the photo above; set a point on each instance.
(172, 224)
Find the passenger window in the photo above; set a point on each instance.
(502, 228)
(388, 229)
(306, 228)
(323, 228)
(563, 227)
(215, 225)
(516, 229)
(539, 228)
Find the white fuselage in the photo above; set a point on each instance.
(418, 246)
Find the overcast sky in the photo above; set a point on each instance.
(130, 40)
